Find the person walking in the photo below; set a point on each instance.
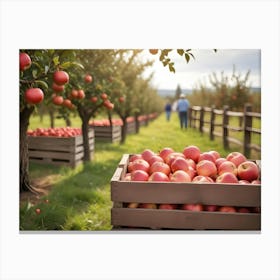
(182, 108)
(168, 111)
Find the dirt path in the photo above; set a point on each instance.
(42, 186)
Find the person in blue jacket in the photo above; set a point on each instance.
(182, 108)
(168, 109)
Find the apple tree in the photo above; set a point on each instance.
(128, 73)
(90, 88)
(40, 71)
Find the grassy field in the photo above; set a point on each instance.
(79, 199)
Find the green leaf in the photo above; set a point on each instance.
(180, 51)
(171, 68)
(56, 60)
(187, 57)
(65, 65)
(46, 69)
(34, 73)
(79, 65)
(42, 84)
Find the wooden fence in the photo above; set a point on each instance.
(221, 126)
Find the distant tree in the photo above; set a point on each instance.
(178, 92)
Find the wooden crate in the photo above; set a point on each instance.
(131, 127)
(67, 151)
(123, 192)
(108, 133)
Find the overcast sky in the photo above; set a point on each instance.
(206, 62)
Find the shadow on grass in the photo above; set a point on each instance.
(80, 201)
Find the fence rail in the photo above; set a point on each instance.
(217, 123)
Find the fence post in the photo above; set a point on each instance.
(190, 116)
(247, 133)
(201, 119)
(212, 122)
(225, 127)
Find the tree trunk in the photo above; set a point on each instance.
(110, 118)
(24, 183)
(51, 114)
(137, 124)
(124, 130)
(85, 116)
(85, 130)
(68, 121)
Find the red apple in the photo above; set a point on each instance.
(60, 77)
(243, 210)
(57, 88)
(202, 179)
(227, 178)
(248, 170)
(192, 152)
(159, 167)
(132, 205)
(207, 156)
(219, 161)
(215, 154)
(155, 158)
(179, 164)
(170, 157)
(227, 209)
(256, 182)
(153, 51)
(192, 207)
(159, 177)
(127, 177)
(57, 100)
(180, 176)
(227, 166)
(243, 182)
(192, 172)
(167, 206)
(206, 168)
(165, 152)
(67, 103)
(94, 99)
(139, 175)
(38, 211)
(88, 78)
(104, 96)
(236, 158)
(24, 61)
(74, 93)
(148, 205)
(121, 99)
(211, 208)
(139, 164)
(191, 163)
(34, 95)
(134, 157)
(81, 94)
(147, 154)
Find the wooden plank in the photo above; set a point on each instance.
(183, 219)
(181, 193)
(235, 141)
(235, 114)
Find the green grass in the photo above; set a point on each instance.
(80, 197)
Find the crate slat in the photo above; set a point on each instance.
(184, 219)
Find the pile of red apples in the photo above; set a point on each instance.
(192, 166)
(55, 132)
